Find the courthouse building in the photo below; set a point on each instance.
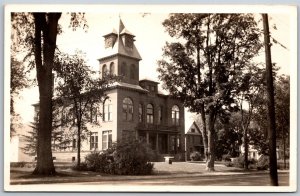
(134, 107)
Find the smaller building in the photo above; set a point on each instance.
(194, 140)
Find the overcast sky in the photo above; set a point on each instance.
(150, 38)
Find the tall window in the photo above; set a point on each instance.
(93, 113)
(106, 140)
(112, 69)
(123, 69)
(140, 113)
(127, 109)
(104, 70)
(132, 71)
(150, 113)
(94, 141)
(175, 115)
(107, 113)
(160, 115)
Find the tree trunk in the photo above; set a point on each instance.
(271, 106)
(78, 145)
(44, 65)
(284, 159)
(204, 133)
(210, 164)
(246, 162)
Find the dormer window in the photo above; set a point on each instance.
(110, 40)
(129, 41)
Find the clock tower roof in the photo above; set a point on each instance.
(120, 43)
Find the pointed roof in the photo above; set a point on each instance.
(197, 129)
(119, 46)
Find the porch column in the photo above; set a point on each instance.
(157, 141)
(168, 143)
(147, 137)
(175, 145)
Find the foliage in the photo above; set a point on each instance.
(79, 92)
(195, 156)
(226, 44)
(239, 162)
(17, 164)
(263, 162)
(18, 81)
(36, 35)
(129, 157)
(226, 157)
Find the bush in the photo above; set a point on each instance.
(228, 164)
(226, 157)
(127, 157)
(82, 167)
(263, 162)
(195, 156)
(239, 162)
(18, 164)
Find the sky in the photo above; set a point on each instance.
(150, 39)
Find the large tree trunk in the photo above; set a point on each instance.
(246, 146)
(284, 149)
(210, 164)
(46, 29)
(204, 132)
(78, 145)
(271, 105)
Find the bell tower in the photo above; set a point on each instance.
(121, 56)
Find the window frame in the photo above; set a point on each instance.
(108, 140)
(94, 145)
(107, 111)
(127, 109)
(150, 115)
(175, 115)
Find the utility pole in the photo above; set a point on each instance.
(271, 107)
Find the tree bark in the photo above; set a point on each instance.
(78, 144)
(210, 164)
(44, 64)
(271, 106)
(246, 162)
(284, 149)
(204, 133)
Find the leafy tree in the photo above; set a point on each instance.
(58, 136)
(18, 81)
(36, 35)
(282, 108)
(79, 92)
(249, 93)
(203, 66)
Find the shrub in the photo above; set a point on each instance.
(226, 157)
(195, 156)
(228, 164)
(263, 162)
(18, 164)
(239, 162)
(81, 167)
(126, 157)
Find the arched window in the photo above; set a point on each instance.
(112, 69)
(141, 113)
(132, 71)
(107, 110)
(104, 70)
(127, 109)
(123, 70)
(150, 113)
(175, 115)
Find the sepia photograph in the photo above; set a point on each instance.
(150, 98)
